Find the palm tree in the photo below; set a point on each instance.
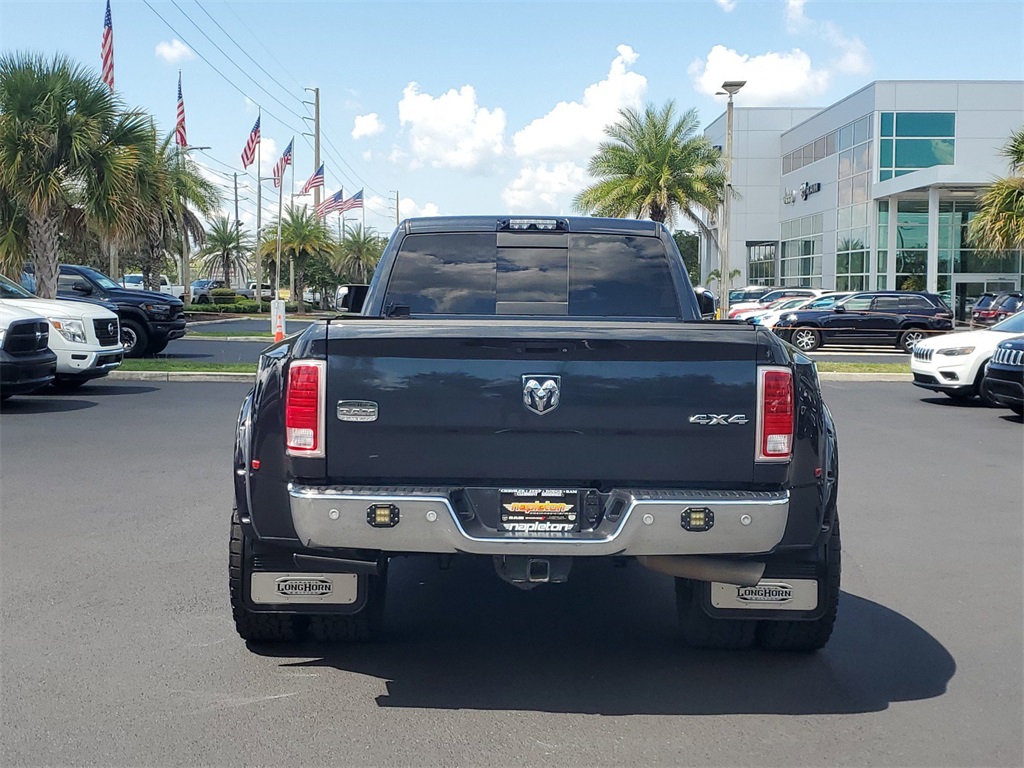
(357, 254)
(656, 166)
(224, 246)
(715, 276)
(169, 187)
(303, 234)
(999, 223)
(63, 138)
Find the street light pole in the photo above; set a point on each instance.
(730, 87)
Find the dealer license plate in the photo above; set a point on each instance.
(539, 510)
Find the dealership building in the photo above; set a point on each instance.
(873, 192)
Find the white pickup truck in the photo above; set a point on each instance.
(134, 282)
(85, 335)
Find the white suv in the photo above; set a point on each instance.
(84, 335)
(954, 363)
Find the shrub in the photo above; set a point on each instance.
(223, 296)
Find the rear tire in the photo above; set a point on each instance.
(252, 626)
(807, 636)
(806, 339)
(699, 630)
(909, 338)
(356, 627)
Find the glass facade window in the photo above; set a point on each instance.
(761, 263)
(853, 242)
(913, 140)
(800, 262)
(911, 245)
(848, 136)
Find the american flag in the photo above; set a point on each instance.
(331, 204)
(249, 153)
(316, 180)
(107, 50)
(284, 162)
(356, 201)
(179, 130)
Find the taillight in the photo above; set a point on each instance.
(775, 410)
(304, 408)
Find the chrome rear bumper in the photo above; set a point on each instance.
(336, 517)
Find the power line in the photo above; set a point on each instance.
(240, 69)
(223, 76)
(245, 52)
(270, 52)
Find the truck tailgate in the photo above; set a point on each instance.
(634, 403)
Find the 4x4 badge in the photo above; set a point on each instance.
(541, 393)
(713, 419)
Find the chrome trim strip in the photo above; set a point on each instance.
(321, 520)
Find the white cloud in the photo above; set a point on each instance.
(851, 54)
(270, 153)
(772, 78)
(452, 130)
(545, 188)
(726, 5)
(367, 125)
(397, 154)
(573, 129)
(174, 51)
(367, 155)
(410, 208)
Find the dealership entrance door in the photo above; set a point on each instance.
(967, 289)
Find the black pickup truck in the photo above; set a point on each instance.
(536, 391)
(149, 320)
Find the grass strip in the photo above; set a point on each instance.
(196, 366)
(830, 367)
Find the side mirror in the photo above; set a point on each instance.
(352, 301)
(707, 303)
(839, 308)
(80, 286)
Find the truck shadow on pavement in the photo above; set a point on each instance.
(607, 643)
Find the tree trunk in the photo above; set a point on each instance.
(299, 280)
(43, 231)
(226, 264)
(113, 251)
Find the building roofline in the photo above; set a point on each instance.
(874, 83)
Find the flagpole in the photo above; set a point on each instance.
(259, 219)
(342, 191)
(280, 203)
(291, 205)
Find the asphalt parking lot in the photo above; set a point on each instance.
(118, 648)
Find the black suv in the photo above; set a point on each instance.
(902, 318)
(149, 320)
(1004, 376)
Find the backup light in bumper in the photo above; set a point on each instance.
(72, 330)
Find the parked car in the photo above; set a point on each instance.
(902, 318)
(88, 338)
(149, 320)
(983, 302)
(134, 282)
(750, 313)
(955, 364)
(771, 317)
(748, 293)
(1004, 376)
(550, 397)
(26, 361)
(771, 297)
(202, 290)
(1001, 307)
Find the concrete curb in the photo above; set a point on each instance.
(850, 376)
(195, 376)
(215, 376)
(268, 339)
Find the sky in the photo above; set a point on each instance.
(489, 107)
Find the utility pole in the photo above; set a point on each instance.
(397, 217)
(238, 224)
